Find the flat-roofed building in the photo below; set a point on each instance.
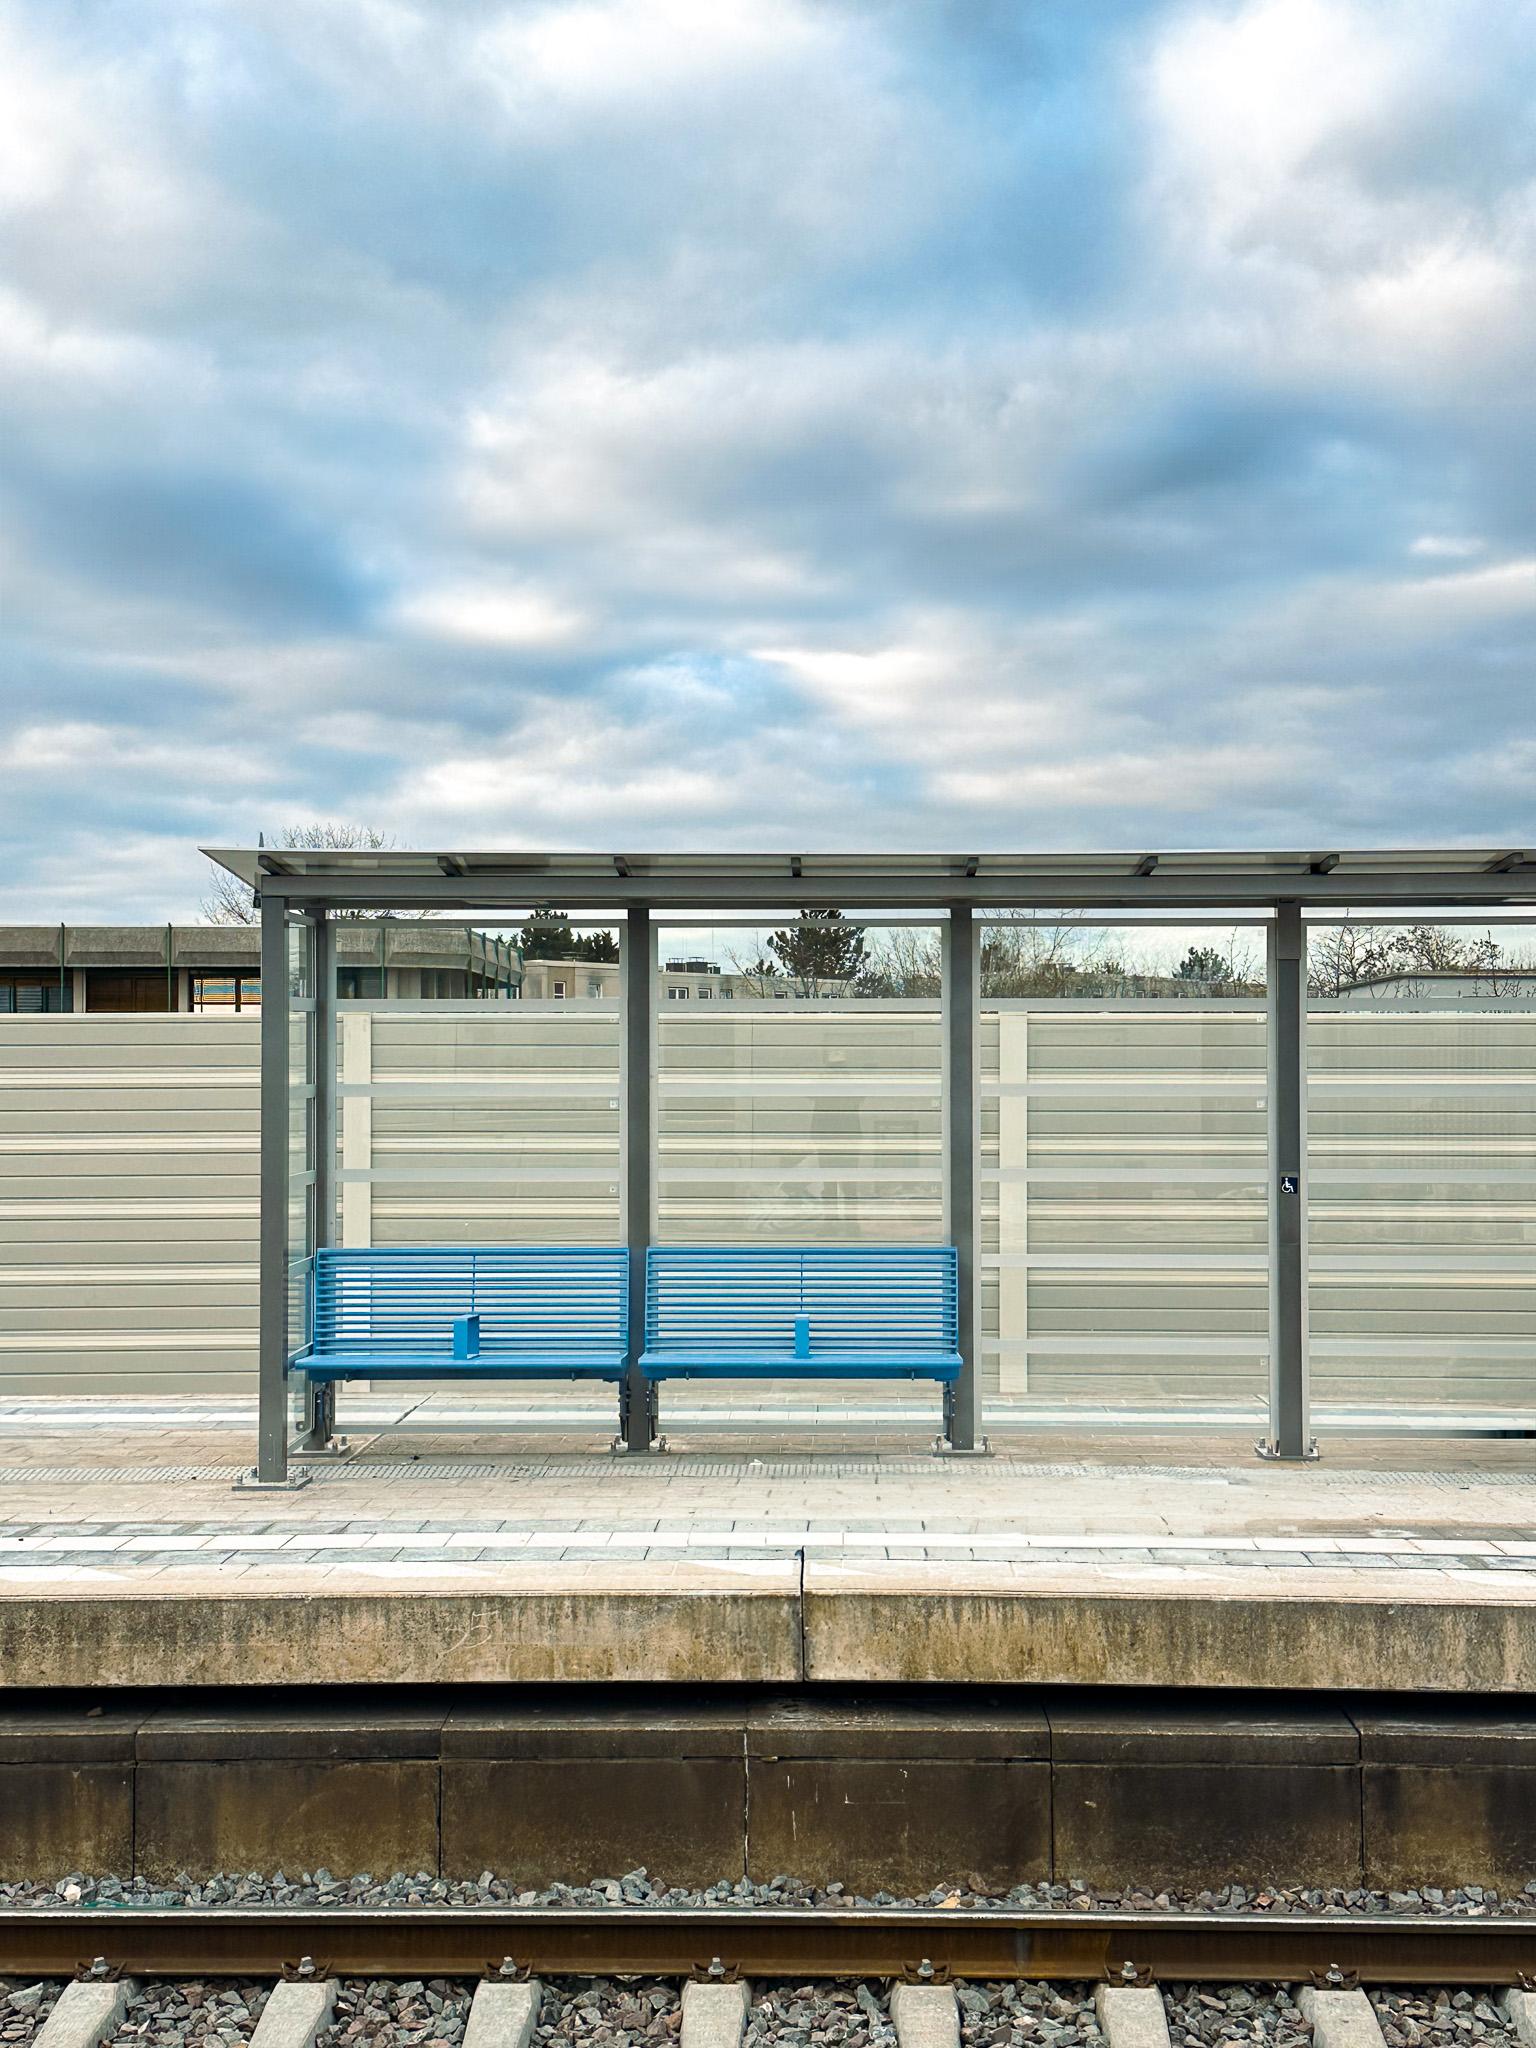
(215, 968)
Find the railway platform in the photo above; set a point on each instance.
(473, 1645)
(458, 1544)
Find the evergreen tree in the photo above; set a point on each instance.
(548, 936)
(820, 947)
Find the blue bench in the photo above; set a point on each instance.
(792, 1312)
(472, 1312)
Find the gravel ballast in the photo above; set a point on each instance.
(191, 2015)
(833, 2015)
(607, 2013)
(1028, 2016)
(1425, 2018)
(1204, 2015)
(23, 2008)
(320, 1889)
(375, 2013)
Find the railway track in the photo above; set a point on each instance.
(763, 1942)
(506, 2008)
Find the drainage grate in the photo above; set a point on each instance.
(114, 1475)
(532, 1467)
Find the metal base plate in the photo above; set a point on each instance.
(1266, 1447)
(249, 1482)
(943, 1448)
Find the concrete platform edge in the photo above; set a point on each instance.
(862, 1633)
(405, 1637)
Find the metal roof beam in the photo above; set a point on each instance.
(901, 890)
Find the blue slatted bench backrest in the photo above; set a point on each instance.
(538, 1300)
(747, 1300)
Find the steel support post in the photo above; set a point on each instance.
(1290, 1434)
(320, 1397)
(272, 1352)
(962, 1406)
(637, 1418)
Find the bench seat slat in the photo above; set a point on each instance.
(503, 1365)
(544, 1312)
(802, 1312)
(694, 1365)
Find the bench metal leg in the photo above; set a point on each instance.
(639, 1416)
(945, 1446)
(318, 1438)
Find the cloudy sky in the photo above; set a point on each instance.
(762, 423)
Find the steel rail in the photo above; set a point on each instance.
(766, 1942)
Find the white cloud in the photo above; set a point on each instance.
(490, 616)
(1463, 597)
(1173, 780)
(602, 53)
(710, 424)
(950, 693)
(89, 756)
(1313, 175)
(1455, 547)
(1253, 108)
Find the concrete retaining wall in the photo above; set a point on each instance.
(894, 1791)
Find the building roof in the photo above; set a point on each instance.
(514, 879)
(214, 946)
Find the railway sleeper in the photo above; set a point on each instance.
(717, 2011)
(87, 2013)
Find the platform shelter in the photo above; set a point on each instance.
(1216, 1116)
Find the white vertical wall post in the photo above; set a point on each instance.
(357, 1128)
(1013, 1198)
(963, 1405)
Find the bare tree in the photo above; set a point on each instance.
(1216, 971)
(904, 960)
(1019, 957)
(231, 901)
(1341, 957)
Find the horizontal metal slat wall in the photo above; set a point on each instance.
(800, 1122)
(1422, 1166)
(128, 1204)
(1122, 1197)
(496, 1124)
(1122, 1202)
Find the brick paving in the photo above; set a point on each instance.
(105, 1493)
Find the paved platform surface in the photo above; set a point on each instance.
(435, 1553)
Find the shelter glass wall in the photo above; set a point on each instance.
(479, 1122)
(1421, 1117)
(802, 1102)
(1122, 1225)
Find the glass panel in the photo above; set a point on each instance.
(799, 1085)
(1421, 1112)
(1122, 1233)
(480, 1122)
